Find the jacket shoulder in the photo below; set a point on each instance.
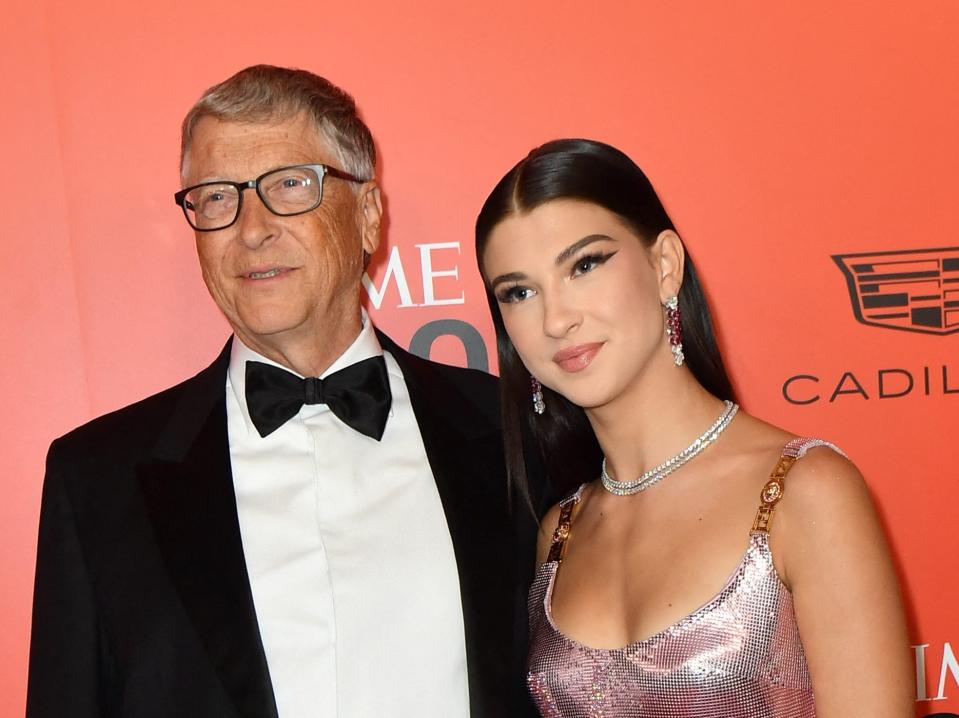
(135, 426)
(461, 386)
(470, 380)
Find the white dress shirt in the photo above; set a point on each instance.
(350, 558)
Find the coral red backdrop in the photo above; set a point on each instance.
(783, 138)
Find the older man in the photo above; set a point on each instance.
(318, 523)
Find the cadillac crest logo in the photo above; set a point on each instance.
(916, 290)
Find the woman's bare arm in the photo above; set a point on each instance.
(829, 546)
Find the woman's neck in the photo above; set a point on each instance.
(652, 421)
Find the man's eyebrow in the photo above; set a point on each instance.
(213, 179)
(509, 277)
(572, 249)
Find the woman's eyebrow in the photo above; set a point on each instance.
(572, 249)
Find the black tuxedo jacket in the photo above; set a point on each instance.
(142, 603)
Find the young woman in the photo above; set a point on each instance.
(712, 565)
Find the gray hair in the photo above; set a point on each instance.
(264, 93)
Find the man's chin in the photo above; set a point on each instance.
(274, 325)
(265, 329)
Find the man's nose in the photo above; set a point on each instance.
(255, 225)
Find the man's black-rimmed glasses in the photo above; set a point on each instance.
(286, 191)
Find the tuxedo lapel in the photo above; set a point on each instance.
(188, 489)
(464, 451)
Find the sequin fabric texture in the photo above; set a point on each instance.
(738, 656)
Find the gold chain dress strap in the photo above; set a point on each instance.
(772, 492)
(561, 533)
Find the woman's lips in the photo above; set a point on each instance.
(577, 358)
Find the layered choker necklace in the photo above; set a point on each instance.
(657, 474)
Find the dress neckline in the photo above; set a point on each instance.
(756, 540)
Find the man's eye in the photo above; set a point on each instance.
(213, 195)
(514, 294)
(289, 187)
(212, 202)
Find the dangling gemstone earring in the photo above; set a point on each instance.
(539, 406)
(674, 330)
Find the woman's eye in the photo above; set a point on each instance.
(514, 294)
(590, 262)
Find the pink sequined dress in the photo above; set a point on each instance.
(738, 656)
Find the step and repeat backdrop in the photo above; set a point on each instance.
(806, 151)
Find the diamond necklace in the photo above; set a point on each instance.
(657, 474)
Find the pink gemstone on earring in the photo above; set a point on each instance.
(674, 330)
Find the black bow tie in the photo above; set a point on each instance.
(358, 395)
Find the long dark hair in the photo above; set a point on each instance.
(561, 439)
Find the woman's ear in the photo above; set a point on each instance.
(670, 257)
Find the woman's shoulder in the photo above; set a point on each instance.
(820, 467)
(825, 496)
(821, 478)
(826, 508)
(821, 487)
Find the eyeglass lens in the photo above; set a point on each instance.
(286, 191)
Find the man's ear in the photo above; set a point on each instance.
(670, 258)
(370, 208)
